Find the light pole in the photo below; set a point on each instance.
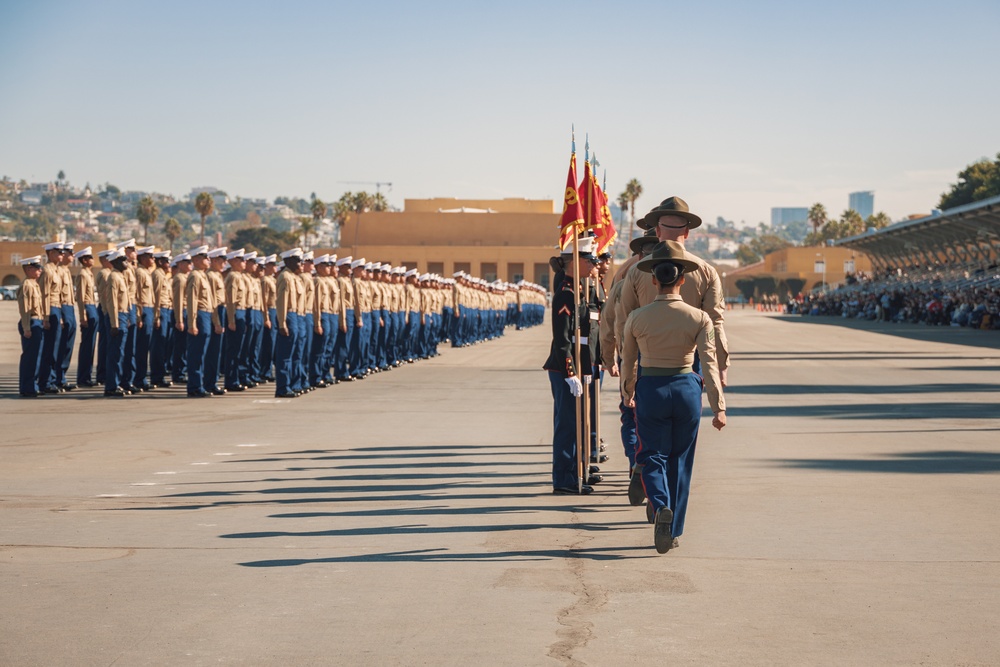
(823, 262)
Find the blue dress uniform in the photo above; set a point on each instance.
(658, 346)
(561, 366)
(146, 317)
(237, 301)
(67, 340)
(31, 311)
(178, 282)
(201, 318)
(52, 292)
(288, 305)
(213, 360)
(345, 331)
(90, 320)
(117, 303)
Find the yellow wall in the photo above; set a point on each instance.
(526, 232)
(799, 262)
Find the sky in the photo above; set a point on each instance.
(736, 107)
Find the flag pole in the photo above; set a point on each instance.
(576, 358)
(585, 398)
(576, 339)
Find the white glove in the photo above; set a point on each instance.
(575, 387)
(587, 379)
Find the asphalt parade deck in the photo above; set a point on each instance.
(847, 515)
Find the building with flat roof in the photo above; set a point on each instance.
(781, 216)
(794, 269)
(862, 202)
(506, 239)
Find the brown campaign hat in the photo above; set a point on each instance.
(668, 251)
(635, 245)
(673, 206)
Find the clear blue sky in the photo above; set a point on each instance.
(734, 106)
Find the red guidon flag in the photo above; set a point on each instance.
(604, 230)
(572, 221)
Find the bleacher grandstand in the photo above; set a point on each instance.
(937, 270)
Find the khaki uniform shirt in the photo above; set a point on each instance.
(29, 303)
(178, 292)
(666, 334)
(162, 294)
(308, 294)
(143, 287)
(237, 298)
(100, 282)
(68, 298)
(85, 295)
(117, 297)
(51, 284)
(199, 296)
(289, 297)
(609, 345)
(268, 291)
(218, 284)
(346, 292)
(702, 289)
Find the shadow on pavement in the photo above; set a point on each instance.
(921, 463)
(952, 335)
(870, 411)
(783, 389)
(443, 555)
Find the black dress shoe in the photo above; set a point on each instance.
(320, 385)
(594, 458)
(69, 387)
(164, 384)
(663, 537)
(572, 490)
(29, 394)
(636, 491)
(594, 469)
(287, 394)
(235, 387)
(199, 394)
(251, 385)
(137, 389)
(87, 383)
(595, 479)
(118, 392)
(52, 390)
(218, 392)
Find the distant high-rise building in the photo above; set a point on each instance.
(783, 216)
(863, 203)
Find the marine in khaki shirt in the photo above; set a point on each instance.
(200, 296)
(178, 289)
(85, 293)
(236, 291)
(289, 298)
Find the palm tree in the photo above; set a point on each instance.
(172, 230)
(378, 202)
(318, 209)
(147, 212)
(817, 217)
(633, 190)
(204, 204)
(307, 226)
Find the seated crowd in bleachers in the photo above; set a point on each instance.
(940, 297)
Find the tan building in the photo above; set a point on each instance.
(509, 239)
(795, 269)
